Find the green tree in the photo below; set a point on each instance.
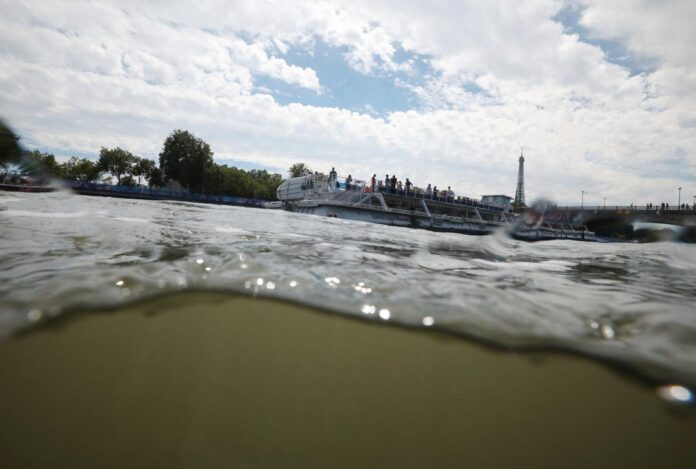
(186, 158)
(299, 169)
(115, 161)
(9, 145)
(141, 168)
(265, 183)
(215, 179)
(128, 180)
(36, 162)
(39, 164)
(154, 177)
(80, 169)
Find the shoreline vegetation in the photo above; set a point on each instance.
(185, 165)
(201, 379)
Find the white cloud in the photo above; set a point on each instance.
(661, 30)
(80, 75)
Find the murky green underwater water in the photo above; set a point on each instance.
(628, 304)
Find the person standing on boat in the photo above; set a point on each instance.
(429, 192)
(373, 182)
(408, 185)
(450, 194)
(393, 182)
(349, 182)
(332, 178)
(386, 182)
(435, 194)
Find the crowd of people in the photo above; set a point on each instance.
(663, 206)
(392, 184)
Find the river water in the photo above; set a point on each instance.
(629, 304)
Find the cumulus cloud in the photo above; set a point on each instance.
(495, 76)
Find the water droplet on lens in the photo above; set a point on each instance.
(199, 261)
(119, 283)
(293, 284)
(259, 282)
(270, 285)
(676, 394)
(384, 314)
(247, 284)
(34, 315)
(608, 332)
(428, 321)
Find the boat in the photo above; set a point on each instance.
(25, 188)
(317, 194)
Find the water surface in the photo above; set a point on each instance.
(625, 303)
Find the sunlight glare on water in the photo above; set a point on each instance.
(632, 304)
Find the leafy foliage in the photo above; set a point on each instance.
(9, 145)
(186, 159)
(299, 169)
(115, 161)
(80, 169)
(142, 167)
(183, 157)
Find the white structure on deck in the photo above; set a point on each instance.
(497, 200)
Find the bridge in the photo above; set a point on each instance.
(592, 215)
(617, 221)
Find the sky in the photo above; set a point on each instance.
(599, 94)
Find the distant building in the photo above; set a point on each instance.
(497, 200)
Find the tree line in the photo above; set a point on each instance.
(184, 158)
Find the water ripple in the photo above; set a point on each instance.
(630, 304)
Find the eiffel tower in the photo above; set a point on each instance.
(519, 194)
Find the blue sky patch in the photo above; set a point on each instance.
(344, 87)
(569, 16)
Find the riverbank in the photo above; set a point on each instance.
(143, 193)
(197, 380)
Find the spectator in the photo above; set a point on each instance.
(332, 178)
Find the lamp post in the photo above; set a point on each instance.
(582, 200)
(679, 200)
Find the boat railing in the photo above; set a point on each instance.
(323, 188)
(448, 200)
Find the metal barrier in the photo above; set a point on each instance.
(163, 194)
